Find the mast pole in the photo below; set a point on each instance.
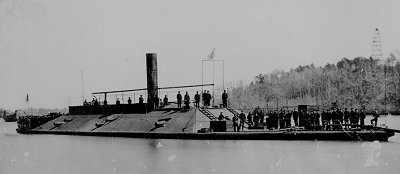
(83, 92)
(202, 80)
(213, 96)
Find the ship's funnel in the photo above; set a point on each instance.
(152, 80)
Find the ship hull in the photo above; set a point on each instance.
(182, 124)
(371, 135)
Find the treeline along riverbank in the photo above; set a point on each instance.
(363, 83)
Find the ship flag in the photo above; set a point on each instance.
(211, 56)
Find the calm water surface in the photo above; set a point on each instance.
(101, 155)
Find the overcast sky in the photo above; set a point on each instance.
(45, 44)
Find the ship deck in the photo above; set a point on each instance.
(174, 123)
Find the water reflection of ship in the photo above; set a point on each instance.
(145, 120)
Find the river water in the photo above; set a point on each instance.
(103, 155)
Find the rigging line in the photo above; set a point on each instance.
(186, 126)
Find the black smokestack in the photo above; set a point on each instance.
(152, 80)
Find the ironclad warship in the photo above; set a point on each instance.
(145, 120)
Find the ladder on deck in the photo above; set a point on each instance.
(207, 113)
(235, 113)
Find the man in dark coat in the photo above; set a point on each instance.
(353, 118)
(141, 99)
(179, 99)
(336, 119)
(221, 117)
(208, 98)
(250, 119)
(327, 118)
(165, 100)
(256, 120)
(274, 119)
(242, 118)
(346, 117)
(362, 117)
(204, 98)
(197, 99)
(235, 124)
(187, 100)
(375, 119)
(295, 117)
(288, 117)
(129, 101)
(301, 118)
(317, 116)
(105, 102)
(324, 118)
(156, 102)
(281, 119)
(224, 99)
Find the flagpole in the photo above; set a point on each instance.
(223, 74)
(213, 80)
(83, 92)
(202, 80)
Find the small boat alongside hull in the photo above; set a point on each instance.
(10, 118)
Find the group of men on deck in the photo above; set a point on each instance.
(205, 96)
(186, 100)
(326, 119)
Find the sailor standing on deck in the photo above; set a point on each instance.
(242, 118)
(336, 118)
(221, 117)
(340, 116)
(179, 99)
(255, 118)
(281, 119)
(375, 119)
(275, 119)
(250, 119)
(324, 118)
(197, 99)
(295, 117)
(204, 98)
(165, 100)
(288, 116)
(362, 117)
(141, 99)
(156, 102)
(96, 103)
(208, 97)
(224, 99)
(346, 117)
(235, 123)
(317, 117)
(187, 100)
(129, 101)
(105, 102)
(353, 118)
